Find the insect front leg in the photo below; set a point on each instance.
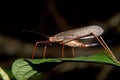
(110, 53)
(35, 48)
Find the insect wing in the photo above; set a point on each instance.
(80, 33)
(97, 30)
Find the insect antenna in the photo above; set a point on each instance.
(36, 33)
(39, 34)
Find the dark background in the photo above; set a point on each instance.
(50, 17)
(36, 16)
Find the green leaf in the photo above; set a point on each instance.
(23, 69)
(4, 75)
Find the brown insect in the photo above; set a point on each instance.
(71, 38)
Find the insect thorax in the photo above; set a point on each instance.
(55, 39)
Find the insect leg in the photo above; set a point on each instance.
(62, 49)
(44, 53)
(34, 50)
(102, 42)
(73, 52)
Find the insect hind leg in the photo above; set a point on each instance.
(102, 42)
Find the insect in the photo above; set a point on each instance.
(71, 38)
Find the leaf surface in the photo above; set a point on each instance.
(23, 69)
